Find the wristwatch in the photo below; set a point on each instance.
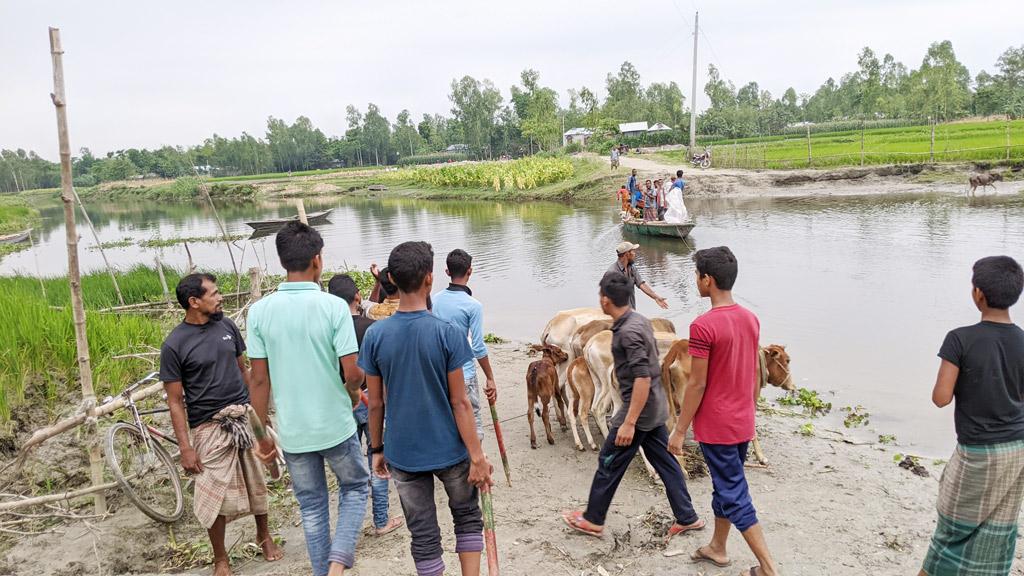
(376, 450)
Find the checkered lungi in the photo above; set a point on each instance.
(979, 503)
(231, 483)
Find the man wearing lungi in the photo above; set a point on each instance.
(983, 483)
(202, 366)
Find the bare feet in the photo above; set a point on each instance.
(222, 567)
(271, 551)
(392, 525)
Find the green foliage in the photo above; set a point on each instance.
(123, 243)
(573, 148)
(490, 338)
(16, 215)
(165, 242)
(886, 438)
(809, 400)
(524, 174)
(84, 181)
(806, 429)
(435, 158)
(855, 416)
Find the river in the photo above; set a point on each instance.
(861, 290)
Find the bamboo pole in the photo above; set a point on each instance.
(74, 276)
(302, 211)
(99, 246)
(490, 541)
(70, 494)
(163, 279)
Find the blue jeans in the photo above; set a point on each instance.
(378, 486)
(473, 390)
(309, 482)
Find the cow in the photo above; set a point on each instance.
(581, 386)
(773, 368)
(542, 385)
(984, 180)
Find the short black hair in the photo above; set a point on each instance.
(614, 287)
(386, 285)
(458, 263)
(1000, 279)
(409, 263)
(679, 173)
(297, 244)
(191, 286)
(344, 287)
(719, 263)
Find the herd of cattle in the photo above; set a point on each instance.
(577, 370)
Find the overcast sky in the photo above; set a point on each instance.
(145, 74)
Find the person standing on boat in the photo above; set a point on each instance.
(634, 190)
(625, 265)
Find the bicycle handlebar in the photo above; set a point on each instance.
(147, 378)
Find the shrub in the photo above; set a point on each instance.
(84, 181)
(436, 158)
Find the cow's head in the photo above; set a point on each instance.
(777, 361)
(551, 352)
(996, 176)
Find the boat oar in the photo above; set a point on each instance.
(260, 432)
(490, 543)
(501, 443)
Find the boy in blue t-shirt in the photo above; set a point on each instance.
(430, 429)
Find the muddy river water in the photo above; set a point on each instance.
(861, 290)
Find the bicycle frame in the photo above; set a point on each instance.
(147, 431)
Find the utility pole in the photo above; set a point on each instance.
(693, 90)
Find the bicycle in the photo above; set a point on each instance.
(141, 465)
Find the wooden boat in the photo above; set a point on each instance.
(273, 225)
(377, 188)
(658, 228)
(16, 237)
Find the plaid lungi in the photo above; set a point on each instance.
(979, 502)
(231, 483)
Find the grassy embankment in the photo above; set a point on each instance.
(37, 340)
(15, 215)
(955, 142)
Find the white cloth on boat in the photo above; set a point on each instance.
(676, 212)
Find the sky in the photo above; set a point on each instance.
(146, 74)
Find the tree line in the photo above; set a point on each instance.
(483, 123)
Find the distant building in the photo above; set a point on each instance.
(659, 127)
(577, 136)
(458, 148)
(633, 129)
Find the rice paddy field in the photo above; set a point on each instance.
(954, 142)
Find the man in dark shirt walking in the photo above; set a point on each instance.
(625, 266)
(640, 423)
(202, 366)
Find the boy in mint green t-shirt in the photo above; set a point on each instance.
(297, 338)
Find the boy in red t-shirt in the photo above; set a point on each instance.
(719, 401)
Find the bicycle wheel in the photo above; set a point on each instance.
(148, 476)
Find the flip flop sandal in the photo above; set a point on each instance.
(755, 570)
(676, 529)
(699, 556)
(392, 525)
(576, 521)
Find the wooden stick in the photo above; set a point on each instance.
(302, 211)
(99, 246)
(163, 280)
(43, 434)
(35, 256)
(74, 275)
(95, 489)
(501, 443)
(490, 542)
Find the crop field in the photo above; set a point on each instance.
(523, 174)
(954, 142)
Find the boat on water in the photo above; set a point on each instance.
(275, 224)
(16, 237)
(678, 230)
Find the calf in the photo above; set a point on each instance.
(581, 385)
(984, 180)
(773, 368)
(542, 384)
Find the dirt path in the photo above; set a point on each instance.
(909, 179)
(828, 507)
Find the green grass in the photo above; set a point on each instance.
(522, 174)
(275, 175)
(16, 215)
(954, 142)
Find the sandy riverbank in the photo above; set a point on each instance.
(829, 507)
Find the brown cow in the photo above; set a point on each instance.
(773, 368)
(581, 385)
(542, 384)
(985, 179)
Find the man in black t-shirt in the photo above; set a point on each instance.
(983, 484)
(344, 287)
(202, 366)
